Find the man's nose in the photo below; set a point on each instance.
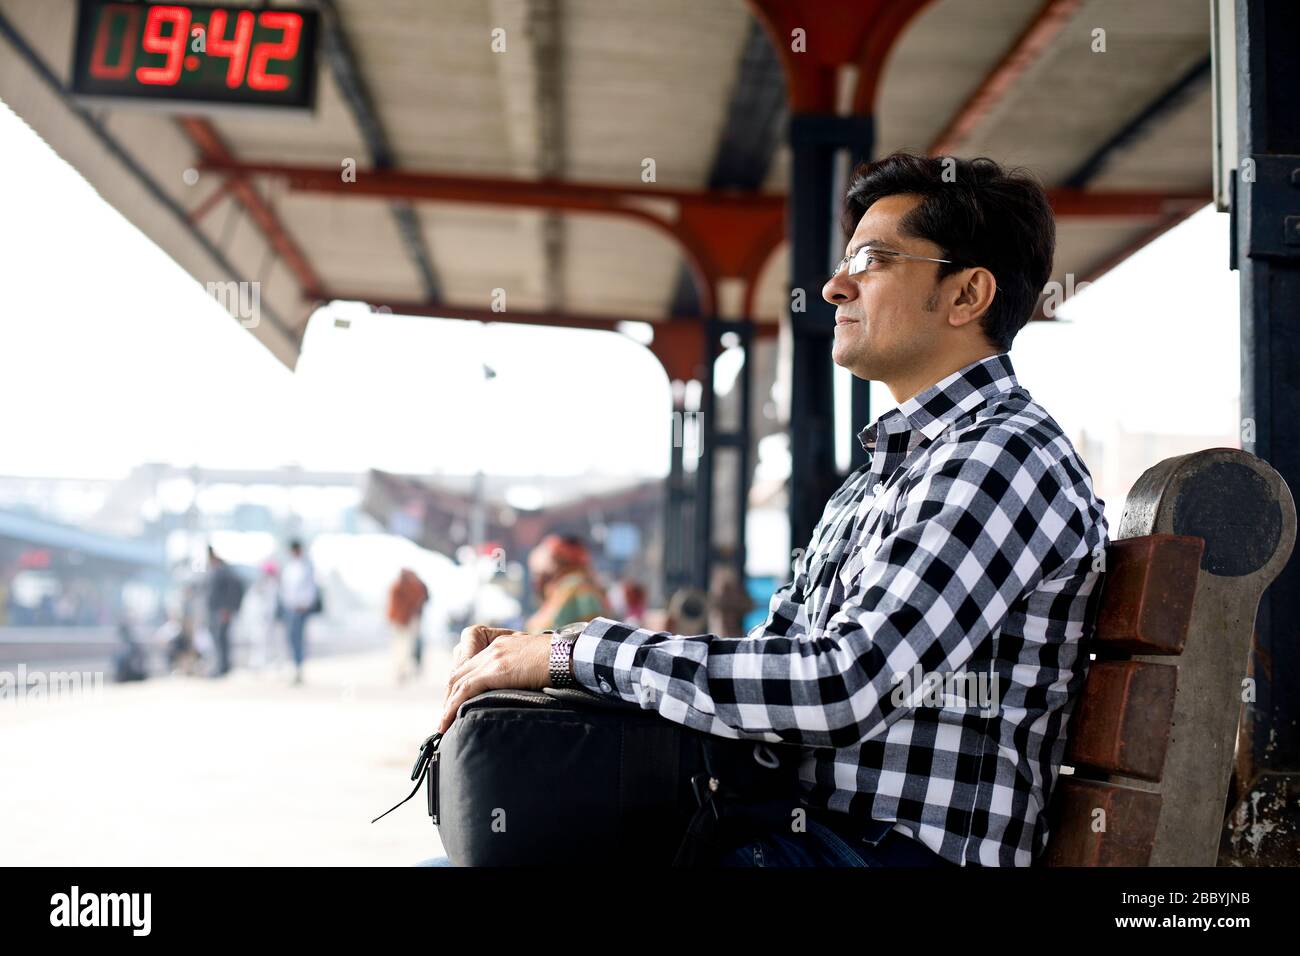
(839, 288)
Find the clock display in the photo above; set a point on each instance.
(186, 53)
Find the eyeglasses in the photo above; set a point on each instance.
(864, 257)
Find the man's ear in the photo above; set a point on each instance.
(975, 293)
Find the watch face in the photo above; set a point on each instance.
(571, 632)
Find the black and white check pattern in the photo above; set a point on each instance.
(969, 544)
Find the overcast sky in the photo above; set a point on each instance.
(112, 355)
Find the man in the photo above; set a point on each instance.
(968, 547)
(225, 594)
(298, 594)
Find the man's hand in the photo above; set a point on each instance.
(512, 659)
(474, 639)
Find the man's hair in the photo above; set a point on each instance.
(979, 214)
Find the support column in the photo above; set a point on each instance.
(1266, 241)
(734, 440)
(679, 510)
(815, 246)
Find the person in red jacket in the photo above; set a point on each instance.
(406, 600)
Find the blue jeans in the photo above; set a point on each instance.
(822, 846)
(819, 846)
(296, 626)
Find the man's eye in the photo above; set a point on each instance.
(862, 261)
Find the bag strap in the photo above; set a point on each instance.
(699, 844)
(741, 792)
(428, 755)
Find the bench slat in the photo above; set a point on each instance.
(1121, 724)
(1129, 822)
(1147, 593)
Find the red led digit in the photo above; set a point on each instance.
(99, 67)
(291, 24)
(173, 45)
(236, 49)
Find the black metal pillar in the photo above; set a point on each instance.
(815, 246)
(734, 440)
(1266, 243)
(678, 505)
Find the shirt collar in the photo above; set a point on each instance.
(932, 409)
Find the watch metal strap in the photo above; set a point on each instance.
(560, 670)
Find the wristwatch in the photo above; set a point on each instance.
(561, 665)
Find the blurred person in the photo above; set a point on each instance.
(129, 662)
(729, 602)
(627, 600)
(177, 636)
(300, 598)
(6, 593)
(225, 595)
(560, 566)
(406, 600)
(261, 614)
(688, 611)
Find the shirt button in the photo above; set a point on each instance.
(879, 489)
(604, 687)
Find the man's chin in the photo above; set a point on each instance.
(855, 359)
(846, 354)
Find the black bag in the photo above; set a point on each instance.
(563, 776)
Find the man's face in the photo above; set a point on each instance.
(887, 319)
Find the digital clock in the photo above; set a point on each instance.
(185, 54)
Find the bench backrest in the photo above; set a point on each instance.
(1153, 733)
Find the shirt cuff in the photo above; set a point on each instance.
(596, 664)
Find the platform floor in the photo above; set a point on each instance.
(244, 770)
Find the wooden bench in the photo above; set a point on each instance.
(1152, 737)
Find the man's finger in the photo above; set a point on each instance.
(467, 681)
(461, 691)
(463, 668)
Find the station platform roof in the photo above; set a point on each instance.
(522, 169)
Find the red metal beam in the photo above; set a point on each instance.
(1085, 204)
(213, 149)
(835, 33)
(218, 194)
(1031, 44)
(703, 210)
(720, 234)
(1098, 269)
(880, 41)
(494, 190)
